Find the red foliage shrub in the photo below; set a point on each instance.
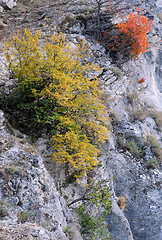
(141, 80)
(132, 34)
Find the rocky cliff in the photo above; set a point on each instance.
(34, 192)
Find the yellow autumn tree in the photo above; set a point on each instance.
(54, 88)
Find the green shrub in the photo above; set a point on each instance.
(3, 210)
(87, 222)
(11, 170)
(135, 147)
(137, 110)
(155, 147)
(23, 216)
(97, 196)
(157, 116)
(152, 163)
(92, 227)
(114, 118)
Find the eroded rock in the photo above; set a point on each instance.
(8, 4)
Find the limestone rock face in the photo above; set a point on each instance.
(119, 225)
(34, 193)
(2, 25)
(1, 9)
(27, 192)
(8, 4)
(142, 190)
(26, 231)
(158, 70)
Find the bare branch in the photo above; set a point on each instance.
(83, 198)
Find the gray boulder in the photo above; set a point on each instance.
(2, 25)
(8, 4)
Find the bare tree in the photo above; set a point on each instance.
(112, 8)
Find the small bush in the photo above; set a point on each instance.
(11, 170)
(155, 147)
(152, 163)
(92, 227)
(117, 71)
(96, 196)
(25, 216)
(157, 116)
(132, 34)
(114, 118)
(3, 210)
(137, 110)
(121, 202)
(124, 40)
(88, 223)
(133, 146)
(132, 97)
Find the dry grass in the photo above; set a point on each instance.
(122, 202)
(155, 146)
(157, 116)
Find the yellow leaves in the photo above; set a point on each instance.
(56, 76)
(75, 148)
(24, 52)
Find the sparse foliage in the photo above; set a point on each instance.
(133, 146)
(112, 7)
(157, 116)
(155, 147)
(96, 196)
(136, 108)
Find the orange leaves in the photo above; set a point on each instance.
(141, 80)
(136, 28)
(129, 38)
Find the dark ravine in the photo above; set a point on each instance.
(33, 195)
